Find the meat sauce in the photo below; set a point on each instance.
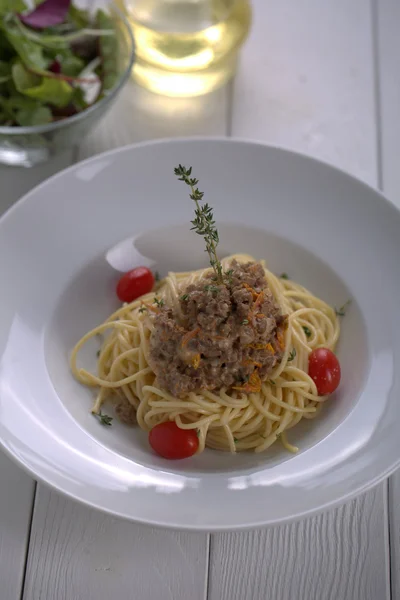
(226, 336)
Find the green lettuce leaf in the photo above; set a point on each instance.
(72, 65)
(79, 17)
(109, 51)
(29, 52)
(52, 91)
(22, 78)
(5, 71)
(7, 6)
(35, 115)
(48, 90)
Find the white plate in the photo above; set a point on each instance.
(331, 232)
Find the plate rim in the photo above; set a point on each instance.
(200, 528)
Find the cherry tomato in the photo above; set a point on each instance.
(324, 369)
(169, 441)
(134, 284)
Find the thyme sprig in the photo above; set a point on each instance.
(340, 312)
(103, 419)
(158, 301)
(203, 223)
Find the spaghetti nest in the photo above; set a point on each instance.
(225, 419)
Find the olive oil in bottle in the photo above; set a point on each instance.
(186, 47)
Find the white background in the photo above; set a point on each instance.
(321, 77)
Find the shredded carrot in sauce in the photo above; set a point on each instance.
(252, 290)
(257, 346)
(280, 338)
(252, 386)
(270, 348)
(190, 335)
(260, 299)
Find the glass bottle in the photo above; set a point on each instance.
(186, 47)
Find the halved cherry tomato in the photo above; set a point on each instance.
(134, 284)
(324, 370)
(169, 441)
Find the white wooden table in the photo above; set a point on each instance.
(322, 77)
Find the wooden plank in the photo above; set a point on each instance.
(394, 533)
(16, 501)
(307, 82)
(79, 554)
(76, 553)
(387, 49)
(334, 555)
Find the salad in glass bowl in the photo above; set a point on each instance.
(61, 66)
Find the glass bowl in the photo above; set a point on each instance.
(29, 146)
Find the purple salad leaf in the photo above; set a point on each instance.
(55, 67)
(47, 14)
(63, 113)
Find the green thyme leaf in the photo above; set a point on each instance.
(185, 297)
(340, 312)
(307, 331)
(284, 276)
(228, 275)
(292, 355)
(211, 288)
(245, 322)
(104, 419)
(158, 301)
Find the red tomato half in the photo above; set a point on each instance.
(169, 441)
(134, 284)
(324, 370)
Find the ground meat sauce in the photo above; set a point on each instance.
(230, 336)
(126, 413)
